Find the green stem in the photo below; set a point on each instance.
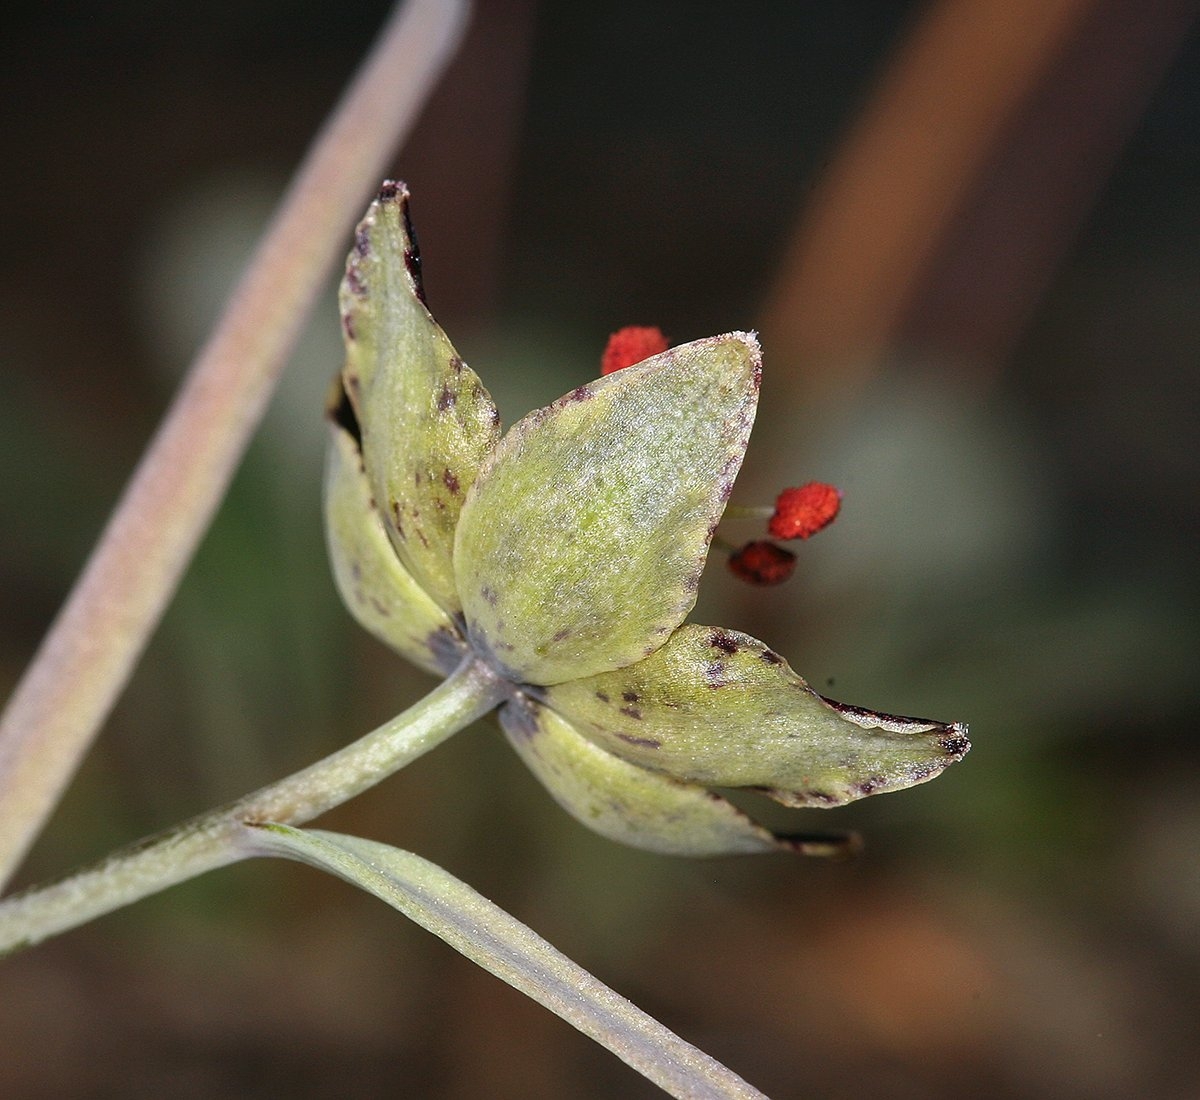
(217, 838)
(502, 945)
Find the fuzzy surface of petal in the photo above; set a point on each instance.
(721, 709)
(377, 590)
(623, 801)
(580, 546)
(427, 421)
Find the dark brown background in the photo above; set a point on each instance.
(1015, 435)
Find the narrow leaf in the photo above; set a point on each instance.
(501, 944)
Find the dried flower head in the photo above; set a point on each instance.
(566, 555)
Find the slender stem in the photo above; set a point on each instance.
(502, 945)
(217, 838)
(94, 643)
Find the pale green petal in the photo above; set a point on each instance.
(580, 546)
(717, 707)
(426, 420)
(622, 801)
(379, 592)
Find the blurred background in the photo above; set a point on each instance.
(966, 231)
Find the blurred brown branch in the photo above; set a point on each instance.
(963, 182)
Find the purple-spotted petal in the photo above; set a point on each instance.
(717, 707)
(426, 421)
(378, 591)
(623, 801)
(580, 546)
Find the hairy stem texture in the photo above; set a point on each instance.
(218, 838)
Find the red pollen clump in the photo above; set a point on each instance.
(804, 510)
(631, 345)
(763, 563)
